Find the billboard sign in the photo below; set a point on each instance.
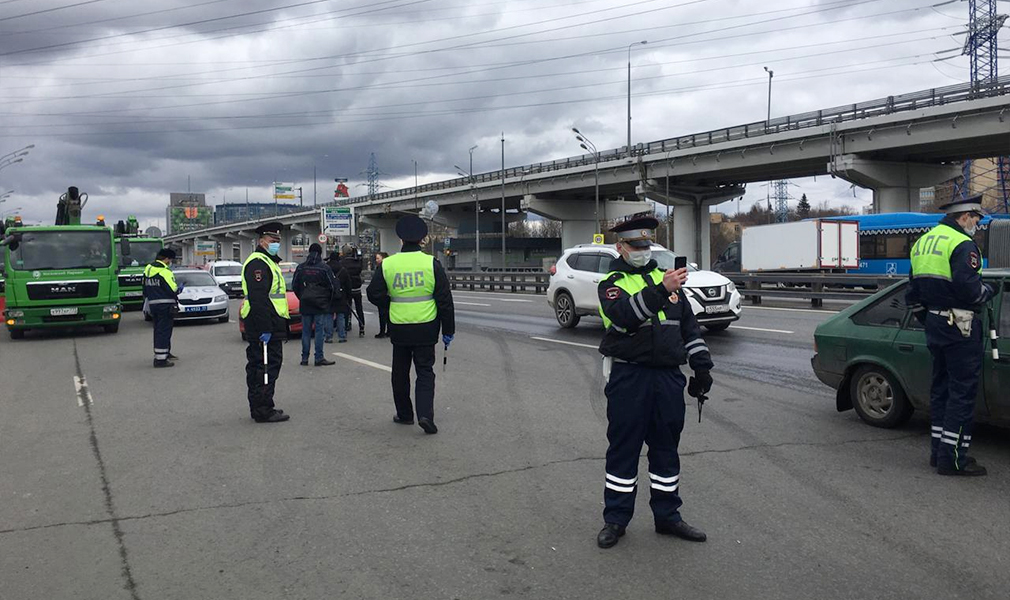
(337, 220)
(284, 191)
(182, 219)
(206, 248)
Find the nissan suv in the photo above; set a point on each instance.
(575, 278)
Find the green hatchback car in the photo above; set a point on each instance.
(874, 354)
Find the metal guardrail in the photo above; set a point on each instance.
(850, 112)
(506, 281)
(816, 287)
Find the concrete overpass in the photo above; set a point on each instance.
(893, 146)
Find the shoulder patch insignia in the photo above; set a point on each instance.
(613, 293)
(973, 260)
(258, 275)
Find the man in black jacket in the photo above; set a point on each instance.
(350, 261)
(340, 308)
(315, 286)
(417, 290)
(650, 332)
(265, 314)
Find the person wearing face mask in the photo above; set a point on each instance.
(946, 293)
(650, 332)
(265, 313)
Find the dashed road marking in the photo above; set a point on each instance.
(368, 363)
(470, 303)
(485, 297)
(800, 310)
(543, 339)
(761, 329)
(83, 392)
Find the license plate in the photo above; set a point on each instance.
(196, 308)
(60, 312)
(132, 294)
(718, 308)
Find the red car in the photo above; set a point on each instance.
(294, 316)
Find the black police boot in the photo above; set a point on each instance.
(609, 535)
(970, 461)
(161, 364)
(681, 530)
(403, 420)
(970, 469)
(172, 356)
(361, 333)
(427, 425)
(276, 416)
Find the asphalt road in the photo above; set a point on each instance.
(121, 481)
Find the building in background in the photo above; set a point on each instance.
(983, 179)
(248, 211)
(187, 212)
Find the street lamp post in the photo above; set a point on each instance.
(591, 147)
(770, 75)
(504, 224)
(630, 46)
(476, 202)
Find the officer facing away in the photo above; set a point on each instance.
(161, 295)
(420, 303)
(945, 292)
(650, 331)
(265, 312)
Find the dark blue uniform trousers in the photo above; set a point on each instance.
(162, 316)
(957, 367)
(644, 404)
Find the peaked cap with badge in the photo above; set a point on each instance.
(961, 205)
(271, 228)
(637, 232)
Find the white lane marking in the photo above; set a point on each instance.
(543, 339)
(367, 313)
(761, 329)
(494, 295)
(83, 392)
(512, 300)
(799, 310)
(369, 363)
(487, 298)
(471, 303)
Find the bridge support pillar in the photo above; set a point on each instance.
(575, 227)
(895, 185)
(691, 225)
(386, 227)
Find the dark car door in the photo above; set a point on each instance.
(996, 373)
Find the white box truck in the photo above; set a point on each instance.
(811, 245)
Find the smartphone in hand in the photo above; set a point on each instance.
(680, 262)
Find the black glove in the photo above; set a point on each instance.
(700, 384)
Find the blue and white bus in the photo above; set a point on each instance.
(885, 240)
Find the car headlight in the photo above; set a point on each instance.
(688, 292)
(110, 309)
(223, 298)
(731, 287)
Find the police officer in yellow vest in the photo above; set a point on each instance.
(161, 298)
(945, 293)
(420, 304)
(265, 315)
(650, 332)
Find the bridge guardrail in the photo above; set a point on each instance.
(817, 287)
(506, 281)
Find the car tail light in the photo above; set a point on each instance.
(554, 269)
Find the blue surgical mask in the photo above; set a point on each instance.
(274, 248)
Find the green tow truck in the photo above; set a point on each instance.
(136, 253)
(62, 275)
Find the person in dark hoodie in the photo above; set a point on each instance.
(350, 261)
(420, 304)
(314, 285)
(340, 307)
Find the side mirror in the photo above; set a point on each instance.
(13, 240)
(124, 246)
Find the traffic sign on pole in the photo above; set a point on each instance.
(322, 238)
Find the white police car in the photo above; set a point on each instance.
(200, 299)
(575, 278)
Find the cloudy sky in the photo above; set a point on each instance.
(133, 100)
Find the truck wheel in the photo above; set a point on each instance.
(114, 328)
(564, 311)
(877, 397)
(17, 334)
(717, 326)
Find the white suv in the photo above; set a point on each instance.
(228, 274)
(577, 275)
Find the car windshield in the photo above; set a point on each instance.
(141, 253)
(195, 278)
(665, 258)
(227, 270)
(46, 250)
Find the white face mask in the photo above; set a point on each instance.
(971, 230)
(639, 258)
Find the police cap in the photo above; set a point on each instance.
(961, 205)
(636, 232)
(411, 228)
(271, 228)
(166, 253)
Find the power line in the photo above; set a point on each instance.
(49, 10)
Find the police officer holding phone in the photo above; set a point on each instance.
(945, 293)
(650, 332)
